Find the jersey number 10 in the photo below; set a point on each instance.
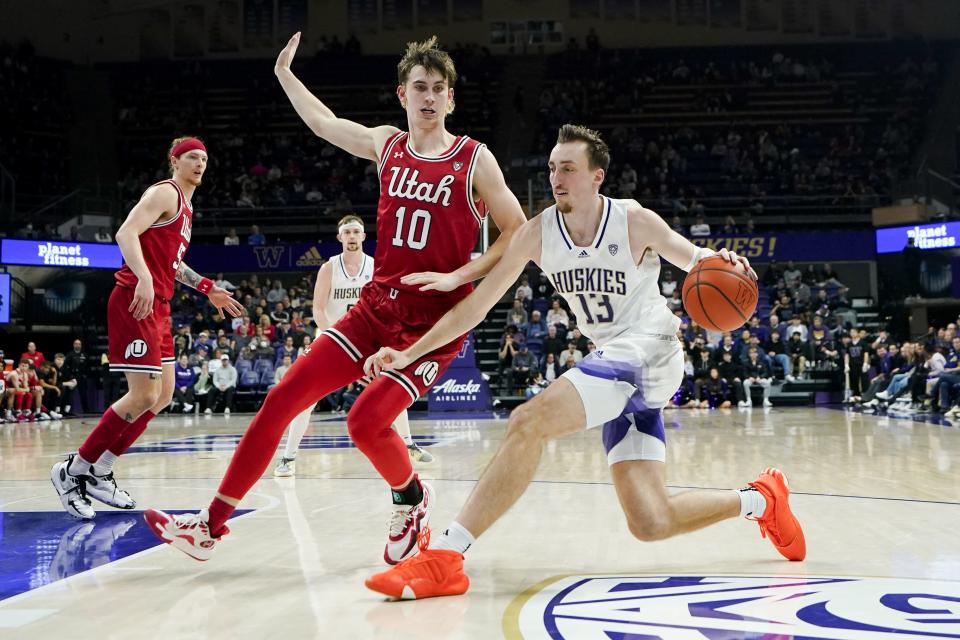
(417, 231)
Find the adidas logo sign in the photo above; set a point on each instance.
(584, 254)
(310, 258)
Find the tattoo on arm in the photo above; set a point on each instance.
(188, 276)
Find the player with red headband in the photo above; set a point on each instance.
(153, 240)
(435, 188)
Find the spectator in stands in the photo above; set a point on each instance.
(799, 351)
(819, 332)
(279, 314)
(224, 386)
(667, 284)
(713, 392)
(203, 342)
(550, 367)
(256, 238)
(203, 385)
(783, 309)
(232, 239)
(276, 294)
(726, 346)
(307, 340)
(102, 236)
(731, 370)
(35, 357)
(269, 331)
(223, 283)
(579, 340)
(225, 346)
(675, 302)
(260, 345)
(792, 275)
(795, 325)
(543, 289)
(856, 364)
(571, 352)
(756, 372)
(508, 351)
(842, 308)
(67, 385)
(557, 315)
(517, 315)
(828, 277)
(523, 366)
(758, 330)
(730, 226)
(185, 377)
(286, 350)
(777, 350)
(774, 325)
(552, 343)
(282, 369)
(945, 388)
(524, 291)
(201, 355)
(700, 228)
(536, 329)
(245, 329)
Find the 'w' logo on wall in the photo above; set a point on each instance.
(268, 257)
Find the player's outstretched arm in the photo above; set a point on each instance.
(468, 313)
(152, 205)
(507, 214)
(361, 141)
(647, 229)
(321, 293)
(219, 297)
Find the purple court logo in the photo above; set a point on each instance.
(708, 607)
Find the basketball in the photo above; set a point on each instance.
(719, 295)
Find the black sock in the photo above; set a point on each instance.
(412, 495)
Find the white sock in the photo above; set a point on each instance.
(298, 427)
(456, 538)
(104, 465)
(79, 466)
(402, 425)
(752, 503)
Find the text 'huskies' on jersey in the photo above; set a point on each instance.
(609, 294)
(344, 288)
(427, 219)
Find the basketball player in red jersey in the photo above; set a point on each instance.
(153, 240)
(428, 218)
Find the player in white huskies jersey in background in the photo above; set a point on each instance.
(337, 289)
(603, 257)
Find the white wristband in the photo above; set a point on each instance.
(699, 254)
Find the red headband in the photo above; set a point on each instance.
(190, 144)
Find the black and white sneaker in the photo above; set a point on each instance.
(105, 489)
(72, 490)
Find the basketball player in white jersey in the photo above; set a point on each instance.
(337, 289)
(603, 257)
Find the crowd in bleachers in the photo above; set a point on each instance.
(737, 128)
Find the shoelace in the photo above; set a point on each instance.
(412, 566)
(399, 518)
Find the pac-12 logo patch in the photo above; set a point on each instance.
(705, 607)
(613, 248)
(136, 349)
(427, 371)
(457, 165)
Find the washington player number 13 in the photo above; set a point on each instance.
(418, 228)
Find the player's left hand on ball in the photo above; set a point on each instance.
(224, 300)
(732, 258)
(386, 359)
(432, 281)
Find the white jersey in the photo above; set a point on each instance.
(610, 295)
(345, 289)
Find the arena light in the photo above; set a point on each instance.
(928, 237)
(47, 253)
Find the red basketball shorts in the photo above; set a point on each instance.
(386, 317)
(138, 347)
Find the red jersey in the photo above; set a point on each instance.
(163, 244)
(427, 219)
(36, 358)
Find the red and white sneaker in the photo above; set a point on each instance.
(778, 522)
(187, 532)
(406, 523)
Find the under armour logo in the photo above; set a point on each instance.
(398, 154)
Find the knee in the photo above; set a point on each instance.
(148, 399)
(649, 527)
(526, 424)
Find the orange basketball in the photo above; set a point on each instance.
(718, 295)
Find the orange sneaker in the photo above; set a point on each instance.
(778, 523)
(431, 573)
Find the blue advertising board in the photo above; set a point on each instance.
(49, 253)
(928, 237)
(461, 387)
(802, 246)
(4, 298)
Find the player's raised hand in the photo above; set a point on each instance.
(732, 258)
(142, 304)
(386, 359)
(223, 300)
(432, 281)
(286, 56)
